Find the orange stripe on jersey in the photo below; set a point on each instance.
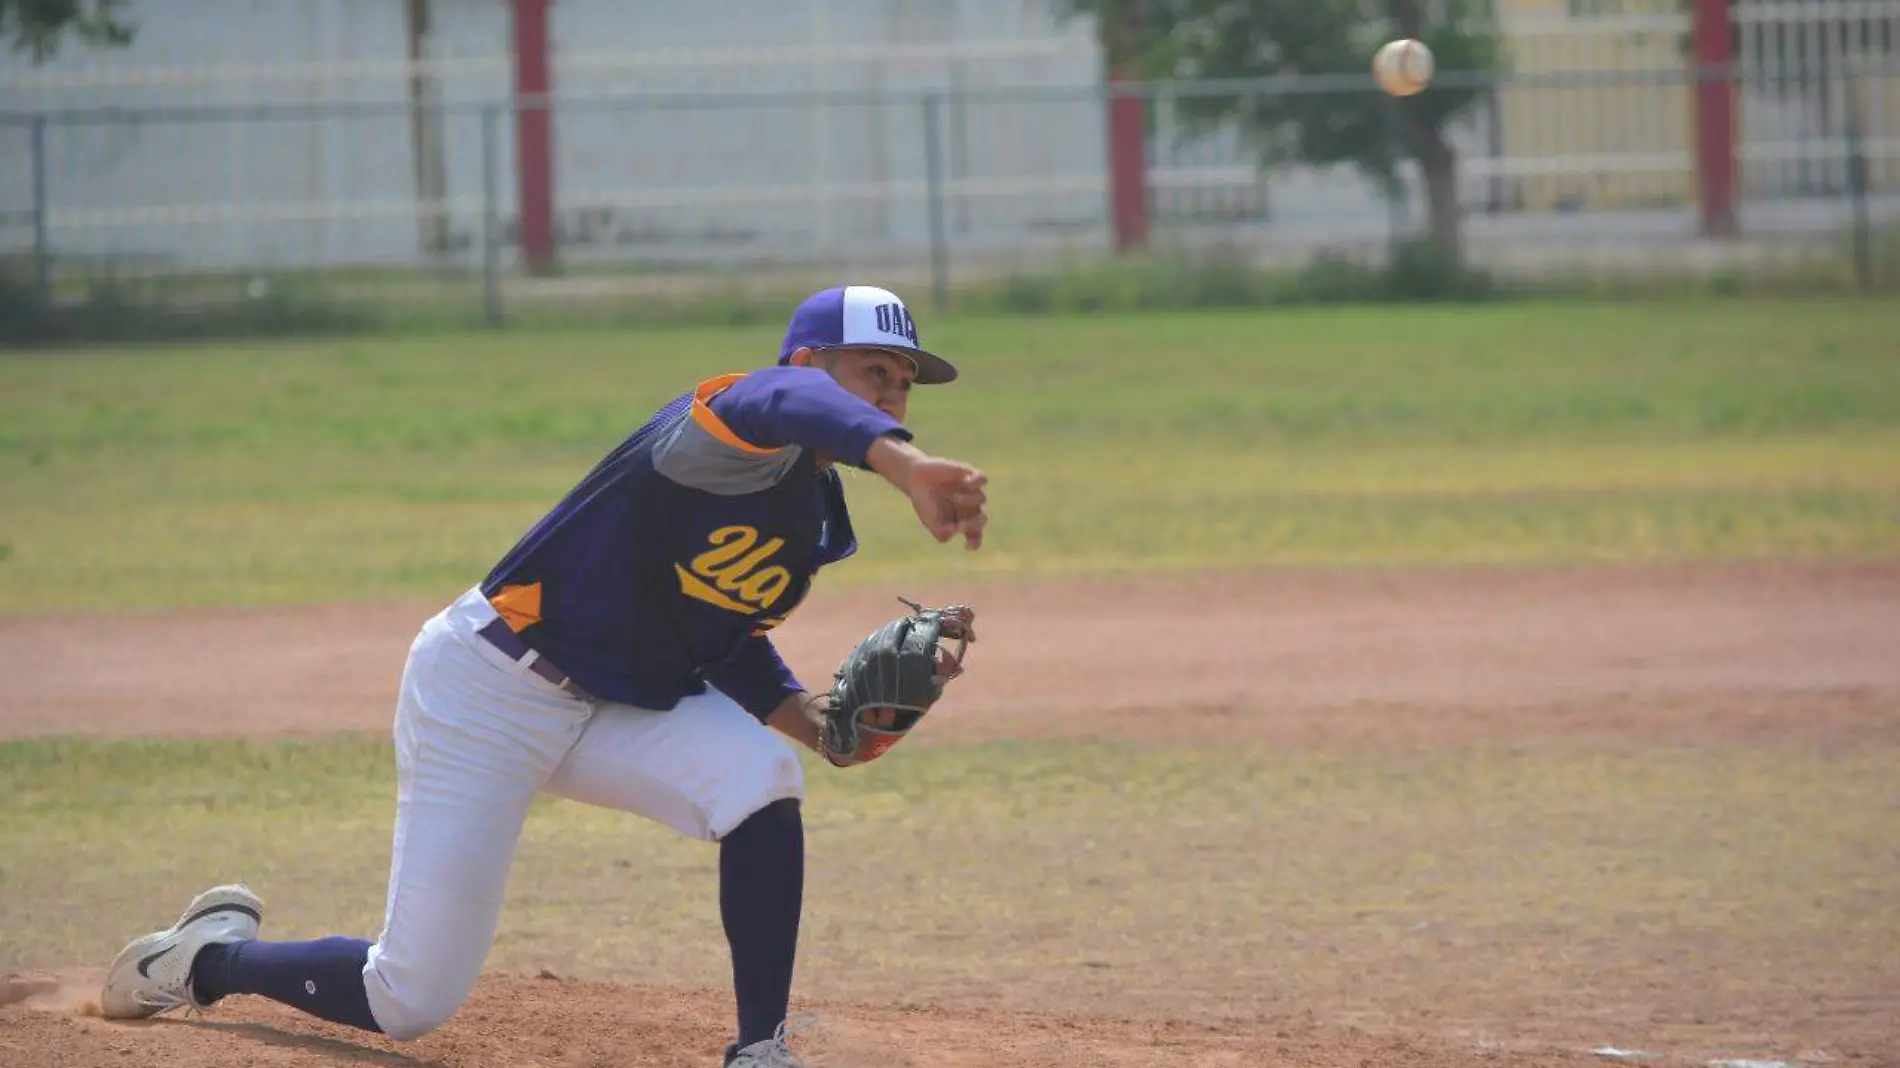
(712, 424)
(518, 606)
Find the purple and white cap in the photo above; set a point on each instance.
(862, 317)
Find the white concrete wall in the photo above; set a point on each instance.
(632, 183)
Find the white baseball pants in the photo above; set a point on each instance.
(476, 737)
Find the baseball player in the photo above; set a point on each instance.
(620, 654)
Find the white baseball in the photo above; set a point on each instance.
(1403, 67)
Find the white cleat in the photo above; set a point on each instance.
(773, 1052)
(153, 974)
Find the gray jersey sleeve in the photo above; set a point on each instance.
(693, 456)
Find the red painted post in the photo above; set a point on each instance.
(1127, 168)
(1715, 120)
(534, 134)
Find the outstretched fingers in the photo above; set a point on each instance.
(950, 500)
(971, 527)
(969, 505)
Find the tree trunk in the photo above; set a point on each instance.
(1436, 158)
(1439, 163)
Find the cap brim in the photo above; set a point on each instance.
(932, 369)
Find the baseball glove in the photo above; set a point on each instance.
(890, 681)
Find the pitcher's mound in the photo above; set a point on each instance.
(518, 1022)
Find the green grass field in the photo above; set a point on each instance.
(1713, 886)
(1204, 879)
(339, 470)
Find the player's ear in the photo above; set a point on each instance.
(801, 358)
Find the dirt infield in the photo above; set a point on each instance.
(1754, 655)
(548, 1021)
(1351, 655)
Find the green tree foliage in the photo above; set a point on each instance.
(1185, 39)
(37, 27)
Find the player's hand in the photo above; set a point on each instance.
(947, 495)
(949, 499)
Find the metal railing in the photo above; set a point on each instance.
(1558, 170)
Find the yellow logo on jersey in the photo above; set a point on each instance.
(733, 574)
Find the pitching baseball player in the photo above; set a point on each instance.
(620, 654)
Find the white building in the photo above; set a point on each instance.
(196, 183)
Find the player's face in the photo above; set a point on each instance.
(882, 378)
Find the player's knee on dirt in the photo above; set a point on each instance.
(417, 1016)
(411, 1002)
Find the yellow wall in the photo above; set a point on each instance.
(1558, 129)
(1642, 137)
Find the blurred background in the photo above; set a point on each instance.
(320, 162)
(1440, 600)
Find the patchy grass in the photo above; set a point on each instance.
(1358, 884)
(325, 471)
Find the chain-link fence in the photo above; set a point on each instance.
(421, 206)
